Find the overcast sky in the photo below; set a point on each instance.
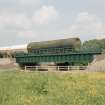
(22, 21)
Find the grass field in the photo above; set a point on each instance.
(42, 88)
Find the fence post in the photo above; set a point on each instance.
(58, 68)
(68, 68)
(36, 68)
(25, 68)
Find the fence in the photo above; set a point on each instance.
(56, 68)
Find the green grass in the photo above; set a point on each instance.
(42, 88)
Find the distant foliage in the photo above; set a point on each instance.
(93, 45)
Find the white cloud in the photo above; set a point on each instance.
(29, 2)
(27, 34)
(14, 20)
(45, 14)
(25, 26)
(88, 24)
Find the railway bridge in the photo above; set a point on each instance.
(63, 52)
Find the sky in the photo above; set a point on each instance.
(24, 21)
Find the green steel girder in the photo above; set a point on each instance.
(84, 57)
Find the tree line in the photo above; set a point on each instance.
(94, 45)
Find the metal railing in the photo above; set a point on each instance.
(56, 68)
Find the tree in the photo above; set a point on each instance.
(93, 45)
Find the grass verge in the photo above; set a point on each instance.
(46, 88)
